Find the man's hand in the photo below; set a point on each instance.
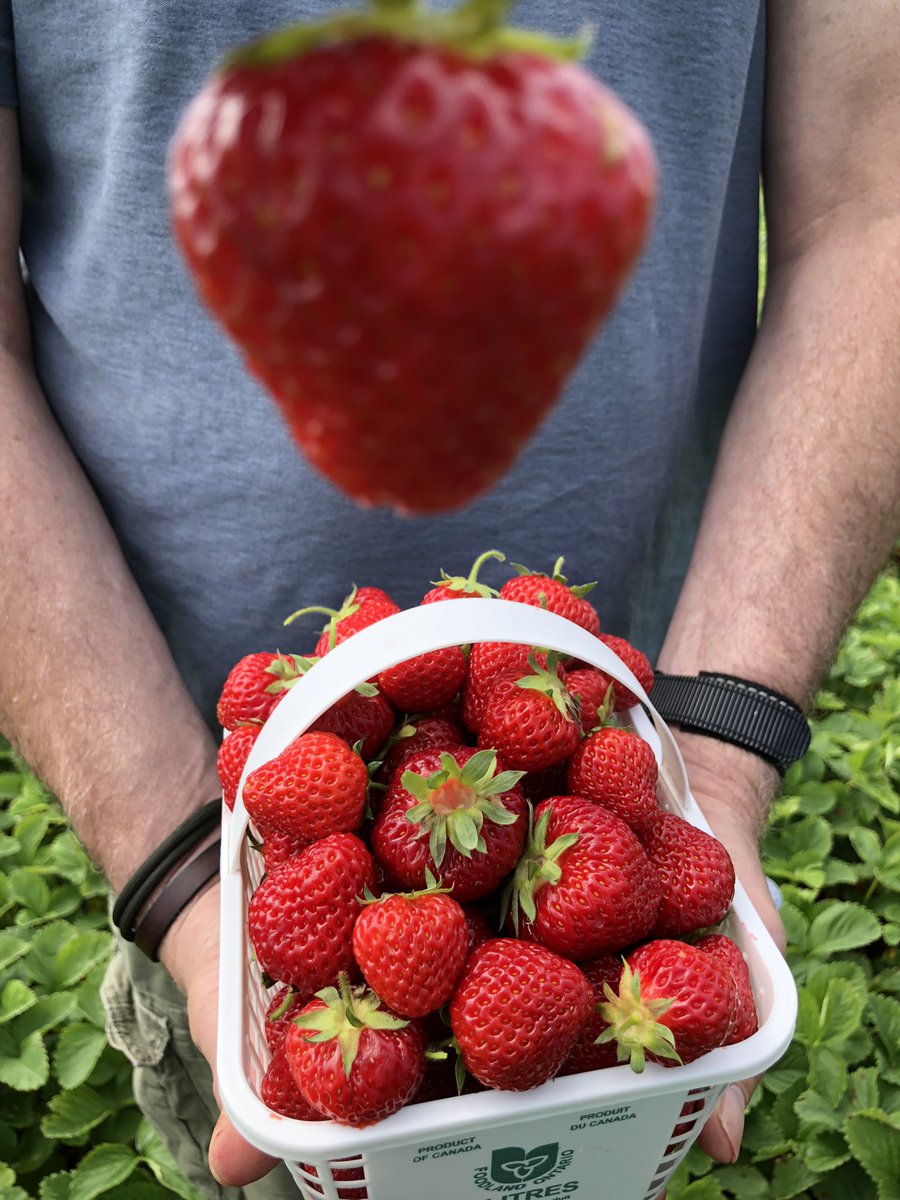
(190, 952)
(733, 789)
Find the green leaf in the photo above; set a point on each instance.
(27, 1070)
(11, 948)
(55, 1187)
(816, 1111)
(76, 1054)
(842, 926)
(45, 1014)
(874, 1139)
(887, 869)
(791, 1177)
(30, 833)
(16, 998)
(743, 1181)
(161, 1163)
(45, 946)
(73, 1113)
(885, 1014)
(80, 954)
(825, 1152)
(101, 1169)
(827, 1074)
(30, 890)
(34, 1150)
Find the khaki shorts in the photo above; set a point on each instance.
(147, 1021)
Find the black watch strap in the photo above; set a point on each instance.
(734, 710)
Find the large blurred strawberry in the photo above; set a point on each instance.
(412, 223)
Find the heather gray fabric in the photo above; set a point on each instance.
(224, 526)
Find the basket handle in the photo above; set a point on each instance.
(432, 627)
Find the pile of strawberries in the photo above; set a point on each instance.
(469, 881)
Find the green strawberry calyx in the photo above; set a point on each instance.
(335, 615)
(539, 865)
(454, 802)
(286, 669)
(633, 1024)
(470, 585)
(474, 28)
(603, 714)
(577, 589)
(546, 680)
(433, 887)
(347, 1012)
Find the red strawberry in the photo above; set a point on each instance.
(616, 768)
(411, 239)
(478, 926)
(315, 786)
(363, 607)
(339, 1174)
(516, 1013)
(363, 715)
(283, 1007)
(278, 847)
(695, 872)
(233, 753)
(411, 948)
(637, 662)
(588, 1054)
(301, 916)
(487, 662)
(464, 587)
(426, 682)
(530, 720)
(458, 815)
(554, 593)
(352, 1059)
(280, 1093)
(674, 1003)
(540, 785)
(584, 885)
(591, 689)
(442, 1080)
(254, 686)
(728, 952)
(423, 733)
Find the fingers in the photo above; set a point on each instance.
(233, 1162)
(722, 1133)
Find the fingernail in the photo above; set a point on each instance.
(209, 1157)
(732, 1117)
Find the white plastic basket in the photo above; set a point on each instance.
(606, 1133)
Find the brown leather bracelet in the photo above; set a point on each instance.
(184, 885)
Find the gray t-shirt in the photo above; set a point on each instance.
(225, 527)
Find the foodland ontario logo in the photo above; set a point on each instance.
(513, 1168)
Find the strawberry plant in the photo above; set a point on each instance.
(826, 1121)
(69, 1129)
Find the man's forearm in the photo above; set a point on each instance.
(804, 504)
(89, 693)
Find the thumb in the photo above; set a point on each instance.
(233, 1162)
(722, 1133)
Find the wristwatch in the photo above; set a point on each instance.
(734, 710)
